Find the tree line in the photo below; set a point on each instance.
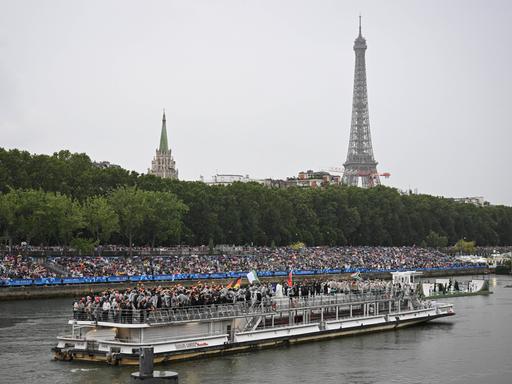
(64, 199)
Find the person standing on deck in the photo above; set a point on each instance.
(116, 310)
(105, 308)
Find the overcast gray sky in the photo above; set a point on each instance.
(264, 87)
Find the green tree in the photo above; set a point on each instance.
(163, 216)
(8, 207)
(129, 203)
(45, 187)
(43, 217)
(434, 240)
(464, 247)
(83, 246)
(64, 216)
(100, 218)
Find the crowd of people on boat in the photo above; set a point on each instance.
(260, 259)
(139, 303)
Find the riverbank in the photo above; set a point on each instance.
(75, 290)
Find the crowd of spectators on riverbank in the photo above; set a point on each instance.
(19, 267)
(259, 259)
(185, 250)
(262, 259)
(114, 250)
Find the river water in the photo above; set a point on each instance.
(474, 346)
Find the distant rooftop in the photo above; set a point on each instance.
(105, 164)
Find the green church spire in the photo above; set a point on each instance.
(164, 147)
(163, 165)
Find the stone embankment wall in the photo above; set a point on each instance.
(76, 290)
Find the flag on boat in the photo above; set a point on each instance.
(237, 283)
(290, 280)
(253, 277)
(230, 284)
(356, 275)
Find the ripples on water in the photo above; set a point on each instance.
(472, 347)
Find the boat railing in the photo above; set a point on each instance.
(336, 299)
(167, 315)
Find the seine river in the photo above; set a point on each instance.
(473, 347)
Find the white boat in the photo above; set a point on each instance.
(191, 332)
(443, 288)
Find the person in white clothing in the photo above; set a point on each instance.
(279, 290)
(106, 308)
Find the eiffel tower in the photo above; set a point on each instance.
(360, 163)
